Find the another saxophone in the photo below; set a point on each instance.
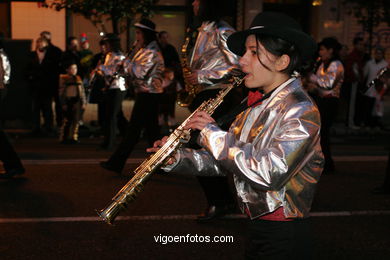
(185, 97)
(129, 192)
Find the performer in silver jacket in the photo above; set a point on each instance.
(272, 149)
(212, 65)
(144, 66)
(114, 90)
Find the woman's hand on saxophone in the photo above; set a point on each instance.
(199, 121)
(157, 145)
(192, 78)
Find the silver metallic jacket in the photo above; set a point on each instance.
(211, 57)
(111, 67)
(6, 68)
(329, 81)
(278, 162)
(144, 67)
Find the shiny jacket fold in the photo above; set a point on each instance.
(145, 67)
(210, 57)
(329, 81)
(111, 70)
(277, 163)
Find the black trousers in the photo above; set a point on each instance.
(216, 188)
(112, 100)
(144, 116)
(8, 155)
(328, 110)
(276, 240)
(42, 103)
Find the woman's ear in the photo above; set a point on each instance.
(282, 62)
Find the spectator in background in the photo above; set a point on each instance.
(41, 70)
(325, 88)
(373, 106)
(71, 54)
(170, 55)
(73, 101)
(353, 78)
(54, 53)
(11, 162)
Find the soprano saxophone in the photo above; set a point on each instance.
(179, 136)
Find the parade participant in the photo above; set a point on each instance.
(211, 65)
(145, 66)
(11, 161)
(272, 149)
(114, 90)
(73, 100)
(325, 88)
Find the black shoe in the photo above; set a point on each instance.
(11, 173)
(380, 190)
(214, 212)
(109, 167)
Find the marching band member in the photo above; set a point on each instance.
(272, 149)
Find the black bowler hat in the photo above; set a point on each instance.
(146, 24)
(278, 25)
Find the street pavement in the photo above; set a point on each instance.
(49, 213)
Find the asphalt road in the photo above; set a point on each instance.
(49, 213)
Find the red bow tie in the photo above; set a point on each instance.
(254, 96)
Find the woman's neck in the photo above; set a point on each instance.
(279, 80)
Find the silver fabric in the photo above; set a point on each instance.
(278, 163)
(144, 67)
(329, 81)
(111, 68)
(210, 57)
(6, 67)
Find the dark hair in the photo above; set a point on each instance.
(356, 40)
(70, 39)
(331, 43)
(279, 47)
(149, 36)
(69, 63)
(161, 33)
(114, 41)
(215, 10)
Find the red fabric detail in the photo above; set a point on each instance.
(277, 215)
(254, 96)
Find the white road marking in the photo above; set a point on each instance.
(139, 160)
(181, 217)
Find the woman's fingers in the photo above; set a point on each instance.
(157, 145)
(199, 121)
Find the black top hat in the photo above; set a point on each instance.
(146, 24)
(278, 25)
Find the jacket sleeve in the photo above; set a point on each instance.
(220, 66)
(329, 79)
(147, 65)
(270, 167)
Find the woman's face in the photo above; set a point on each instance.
(257, 76)
(325, 54)
(72, 69)
(139, 36)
